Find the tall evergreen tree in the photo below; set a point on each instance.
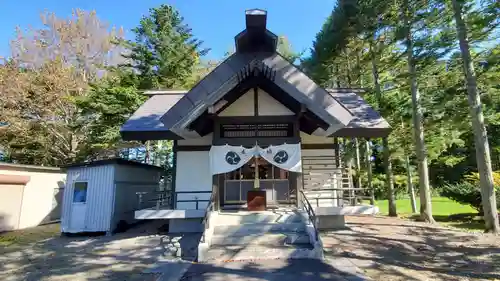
(165, 52)
(478, 125)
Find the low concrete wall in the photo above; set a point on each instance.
(41, 196)
(153, 214)
(346, 210)
(331, 222)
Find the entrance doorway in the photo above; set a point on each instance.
(275, 181)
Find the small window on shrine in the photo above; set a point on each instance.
(281, 130)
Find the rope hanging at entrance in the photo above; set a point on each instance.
(227, 158)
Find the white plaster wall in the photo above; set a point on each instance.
(38, 197)
(244, 106)
(268, 106)
(193, 174)
(206, 140)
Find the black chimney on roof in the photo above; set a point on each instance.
(256, 38)
(256, 19)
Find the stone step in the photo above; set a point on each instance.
(258, 228)
(259, 252)
(270, 239)
(268, 217)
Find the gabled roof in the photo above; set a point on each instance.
(367, 123)
(255, 63)
(111, 161)
(145, 123)
(240, 66)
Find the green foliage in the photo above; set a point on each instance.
(165, 52)
(378, 183)
(107, 107)
(360, 35)
(285, 49)
(466, 193)
(473, 178)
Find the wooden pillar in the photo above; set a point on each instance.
(173, 196)
(389, 180)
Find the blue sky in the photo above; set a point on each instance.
(215, 22)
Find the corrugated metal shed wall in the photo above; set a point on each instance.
(128, 181)
(99, 197)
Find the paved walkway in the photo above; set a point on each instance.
(274, 270)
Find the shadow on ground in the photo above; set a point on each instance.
(465, 221)
(123, 256)
(395, 249)
(269, 270)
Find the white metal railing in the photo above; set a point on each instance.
(338, 184)
(155, 199)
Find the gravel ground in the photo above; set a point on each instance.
(395, 249)
(383, 248)
(123, 256)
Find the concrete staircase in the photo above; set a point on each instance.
(243, 235)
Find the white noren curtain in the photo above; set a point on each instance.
(286, 156)
(227, 158)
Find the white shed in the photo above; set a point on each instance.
(102, 194)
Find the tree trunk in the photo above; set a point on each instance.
(409, 181)
(387, 154)
(337, 79)
(358, 163)
(410, 186)
(480, 135)
(389, 179)
(147, 154)
(418, 128)
(368, 155)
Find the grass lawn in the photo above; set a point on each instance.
(10, 240)
(444, 210)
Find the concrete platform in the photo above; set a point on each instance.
(154, 214)
(346, 210)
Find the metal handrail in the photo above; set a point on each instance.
(195, 200)
(310, 213)
(352, 199)
(208, 210)
(252, 180)
(160, 197)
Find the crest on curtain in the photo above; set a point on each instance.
(286, 156)
(227, 158)
(281, 157)
(232, 158)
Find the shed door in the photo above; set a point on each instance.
(79, 205)
(11, 196)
